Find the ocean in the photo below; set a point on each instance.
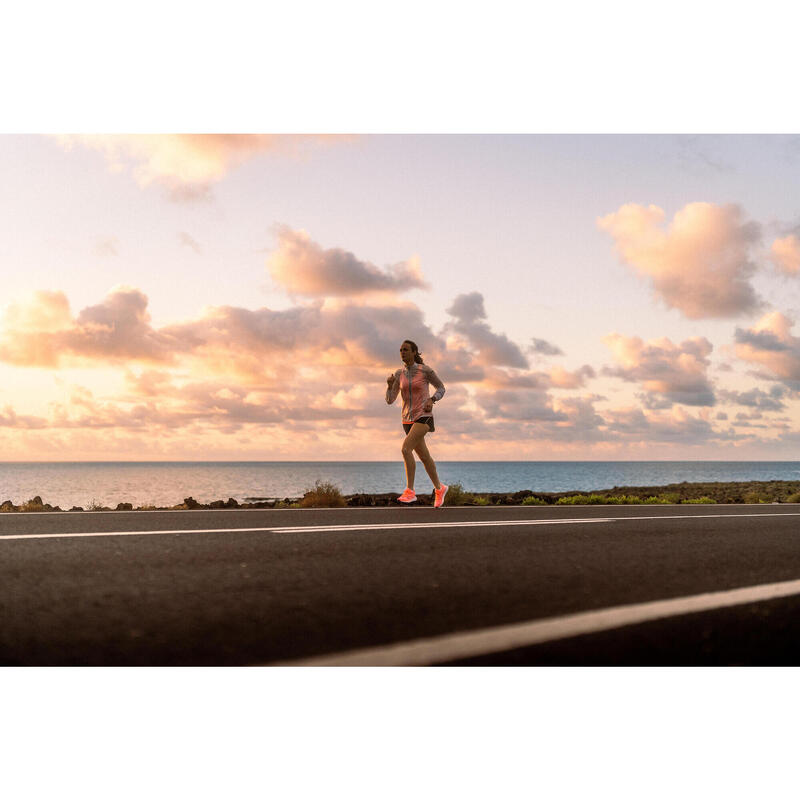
(162, 483)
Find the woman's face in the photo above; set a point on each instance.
(406, 353)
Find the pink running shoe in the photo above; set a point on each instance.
(440, 493)
(408, 496)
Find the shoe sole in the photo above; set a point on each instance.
(413, 500)
(443, 497)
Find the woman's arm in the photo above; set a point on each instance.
(392, 388)
(434, 379)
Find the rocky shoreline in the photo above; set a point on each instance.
(674, 493)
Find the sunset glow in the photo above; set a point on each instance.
(244, 297)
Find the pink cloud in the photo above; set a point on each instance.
(468, 324)
(701, 264)
(185, 165)
(669, 373)
(42, 333)
(302, 267)
(785, 254)
(770, 344)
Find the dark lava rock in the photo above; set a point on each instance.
(361, 500)
(231, 503)
(217, 504)
(37, 501)
(76, 508)
(124, 507)
(190, 502)
(7, 505)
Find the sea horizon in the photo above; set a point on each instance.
(166, 483)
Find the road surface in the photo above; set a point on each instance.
(596, 585)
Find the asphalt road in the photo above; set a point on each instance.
(307, 585)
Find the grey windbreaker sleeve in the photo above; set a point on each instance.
(391, 394)
(433, 378)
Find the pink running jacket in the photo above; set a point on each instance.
(413, 383)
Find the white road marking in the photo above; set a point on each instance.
(399, 526)
(402, 526)
(452, 647)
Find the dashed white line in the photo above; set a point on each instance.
(457, 646)
(402, 526)
(398, 526)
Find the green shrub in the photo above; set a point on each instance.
(34, 504)
(700, 500)
(581, 500)
(793, 498)
(756, 497)
(456, 496)
(323, 495)
(655, 500)
(534, 501)
(623, 500)
(481, 501)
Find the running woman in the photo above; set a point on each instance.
(412, 381)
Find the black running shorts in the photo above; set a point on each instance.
(427, 420)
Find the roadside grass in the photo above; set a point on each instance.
(589, 500)
(757, 497)
(324, 495)
(34, 504)
(666, 498)
(534, 501)
(700, 501)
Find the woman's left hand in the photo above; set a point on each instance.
(427, 405)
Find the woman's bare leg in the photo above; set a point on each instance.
(427, 461)
(410, 443)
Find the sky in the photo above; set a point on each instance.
(203, 297)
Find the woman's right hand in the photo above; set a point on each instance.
(390, 381)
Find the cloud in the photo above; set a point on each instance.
(756, 398)
(29, 329)
(255, 341)
(497, 349)
(677, 426)
(42, 333)
(785, 254)
(188, 241)
(252, 343)
(302, 267)
(700, 265)
(556, 378)
(10, 419)
(770, 344)
(521, 406)
(185, 165)
(669, 373)
(544, 348)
